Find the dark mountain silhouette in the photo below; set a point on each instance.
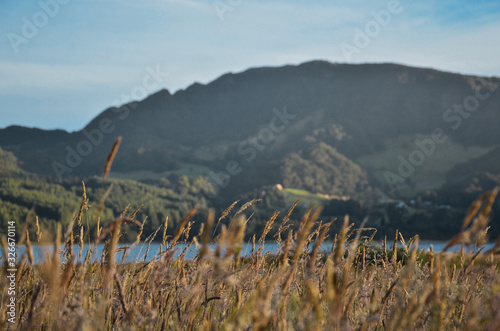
(325, 127)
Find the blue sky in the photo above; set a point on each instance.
(85, 56)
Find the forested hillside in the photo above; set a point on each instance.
(381, 135)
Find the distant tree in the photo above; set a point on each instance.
(183, 185)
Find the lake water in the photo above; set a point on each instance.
(138, 253)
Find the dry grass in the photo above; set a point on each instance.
(111, 157)
(358, 285)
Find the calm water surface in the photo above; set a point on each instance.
(138, 253)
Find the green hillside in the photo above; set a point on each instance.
(326, 129)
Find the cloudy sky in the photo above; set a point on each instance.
(64, 61)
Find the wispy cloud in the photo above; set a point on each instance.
(16, 77)
(200, 5)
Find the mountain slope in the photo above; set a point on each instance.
(262, 118)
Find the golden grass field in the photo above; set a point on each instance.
(358, 285)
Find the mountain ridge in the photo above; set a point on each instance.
(356, 109)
